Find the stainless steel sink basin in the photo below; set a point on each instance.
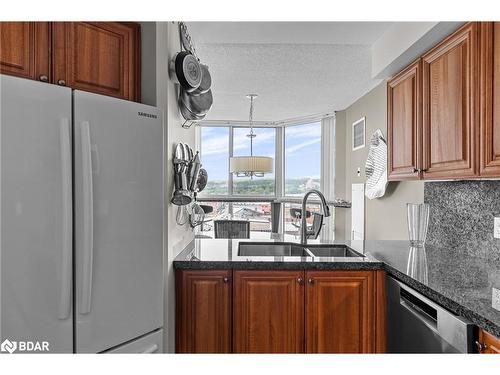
(260, 249)
(256, 249)
(333, 251)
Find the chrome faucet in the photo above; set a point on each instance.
(303, 225)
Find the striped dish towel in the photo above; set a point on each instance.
(376, 166)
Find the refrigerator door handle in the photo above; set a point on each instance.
(151, 349)
(67, 215)
(88, 217)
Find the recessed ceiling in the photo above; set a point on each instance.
(297, 68)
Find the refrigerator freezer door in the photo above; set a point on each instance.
(118, 167)
(148, 344)
(36, 214)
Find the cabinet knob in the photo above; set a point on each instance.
(300, 280)
(415, 170)
(226, 280)
(310, 280)
(480, 346)
(61, 82)
(43, 78)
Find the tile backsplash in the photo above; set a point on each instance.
(461, 215)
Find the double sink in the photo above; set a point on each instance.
(256, 249)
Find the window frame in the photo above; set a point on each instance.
(327, 168)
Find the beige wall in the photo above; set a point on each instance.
(385, 218)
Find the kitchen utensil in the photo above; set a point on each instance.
(197, 215)
(194, 169)
(418, 222)
(201, 183)
(186, 70)
(206, 81)
(199, 104)
(187, 114)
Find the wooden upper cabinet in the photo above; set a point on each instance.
(404, 116)
(268, 312)
(25, 49)
(101, 57)
(203, 305)
(340, 311)
(450, 113)
(488, 344)
(490, 100)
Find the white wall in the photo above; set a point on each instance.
(178, 236)
(161, 42)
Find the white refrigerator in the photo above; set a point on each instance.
(81, 257)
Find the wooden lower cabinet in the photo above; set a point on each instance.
(280, 311)
(487, 343)
(203, 311)
(341, 312)
(268, 312)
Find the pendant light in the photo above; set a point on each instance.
(250, 166)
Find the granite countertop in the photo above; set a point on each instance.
(456, 279)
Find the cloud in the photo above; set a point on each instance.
(292, 149)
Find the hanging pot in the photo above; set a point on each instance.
(206, 81)
(199, 104)
(187, 114)
(187, 70)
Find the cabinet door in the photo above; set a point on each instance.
(490, 344)
(25, 49)
(268, 312)
(404, 118)
(490, 99)
(340, 312)
(450, 113)
(203, 311)
(100, 57)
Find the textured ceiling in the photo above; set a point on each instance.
(297, 69)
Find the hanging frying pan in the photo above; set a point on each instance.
(199, 104)
(206, 81)
(187, 114)
(187, 70)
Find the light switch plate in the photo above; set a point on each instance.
(495, 299)
(496, 229)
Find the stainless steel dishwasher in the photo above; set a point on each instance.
(417, 325)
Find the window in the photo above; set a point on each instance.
(215, 159)
(258, 213)
(264, 144)
(302, 158)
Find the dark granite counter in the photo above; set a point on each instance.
(468, 285)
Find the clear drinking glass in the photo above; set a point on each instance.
(417, 264)
(418, 221)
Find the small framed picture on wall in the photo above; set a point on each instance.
(358, 134)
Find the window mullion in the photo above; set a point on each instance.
(231, 153)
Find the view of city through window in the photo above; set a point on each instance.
(302, 171)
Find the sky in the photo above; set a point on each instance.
(302, 149)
